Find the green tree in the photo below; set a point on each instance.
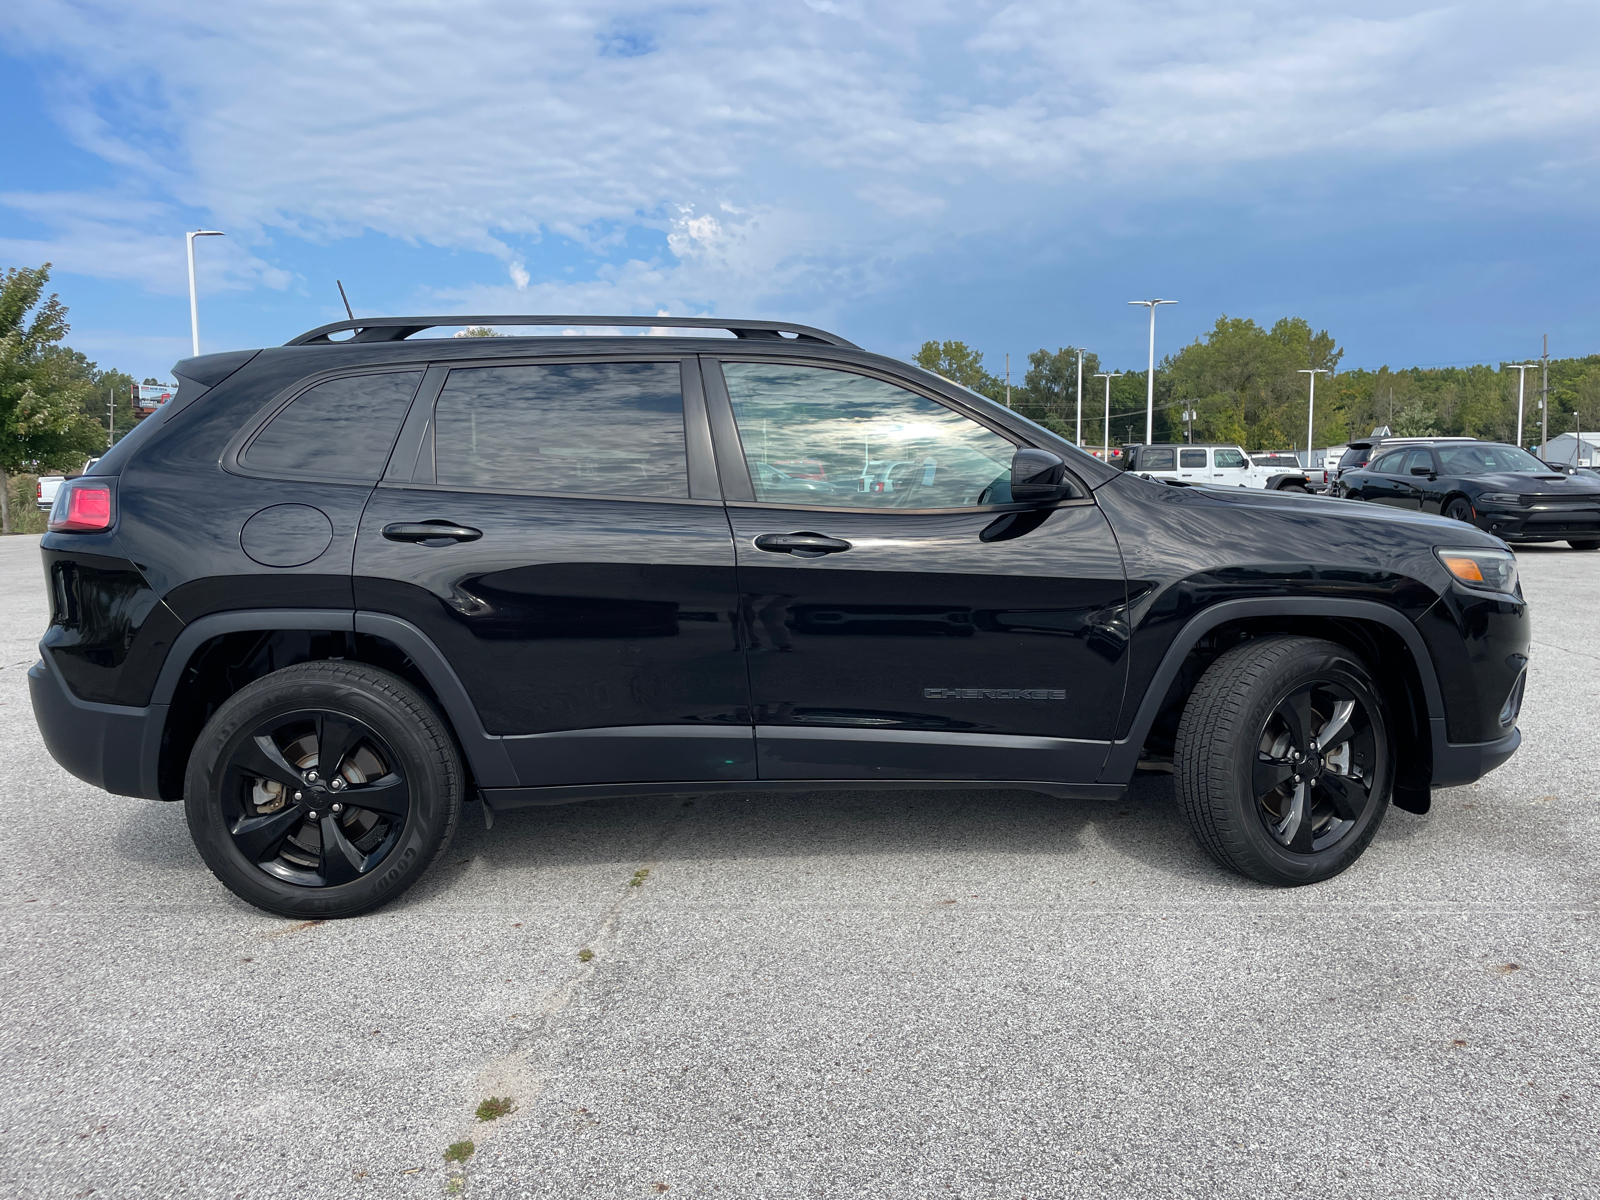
(44, 425)
(959, 363)
(1049, 392)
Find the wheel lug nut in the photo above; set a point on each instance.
(299, 795)
(338, 808)
(336, 783)
(311, 776)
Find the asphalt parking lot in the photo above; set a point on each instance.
(862, 995)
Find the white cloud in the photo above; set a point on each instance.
(781, 150)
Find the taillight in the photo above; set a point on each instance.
(83, 506)
(38, 491)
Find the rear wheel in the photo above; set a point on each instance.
(1292, 487)
(1585, 544)
(1459, 510)
(1283, 763)
(323, 790)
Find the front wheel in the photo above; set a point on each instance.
(323, 790)
(1284, 761)
(1459, 510)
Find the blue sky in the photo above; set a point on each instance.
(1418, 179)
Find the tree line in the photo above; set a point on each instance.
(1246, 386)
(57, 408)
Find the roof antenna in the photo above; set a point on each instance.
(346, 300)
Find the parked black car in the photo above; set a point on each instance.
(334, 590)
(1360, 451)
(1500, 489)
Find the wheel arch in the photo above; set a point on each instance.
(214, 656)
(1383, 637)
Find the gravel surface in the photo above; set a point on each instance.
(860, 995)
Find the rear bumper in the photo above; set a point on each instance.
(109, 745)
(1458, 763)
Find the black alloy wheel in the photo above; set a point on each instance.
(1459, 510)
(1283, 762)
(323, 789)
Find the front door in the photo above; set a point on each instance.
(581, 583)
(1229, 467)
(903, 620)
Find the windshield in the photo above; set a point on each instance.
(1487, 458)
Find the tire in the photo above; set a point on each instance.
(1294, 487)
(1585, 543)
(1237, 735)
(1460, 510)
(262, 799)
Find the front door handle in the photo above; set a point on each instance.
(801, 545)
(430, 533)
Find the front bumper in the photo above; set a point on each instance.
(1457, 763)
(1549, 524)
(112, 746)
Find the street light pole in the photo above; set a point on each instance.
(194, 304)
(1150, 377)
(1080, 400)
(1522, 370)
(1311, 408)
(1544, 401)
(1108, 376)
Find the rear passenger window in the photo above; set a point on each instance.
(340, 430)
(1155, 460)
(1192, 458)
(600, 428)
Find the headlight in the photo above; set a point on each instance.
(1500, 498)
(1485, 570)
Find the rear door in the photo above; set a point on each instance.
(904, 621)
(1192, 464)
(582, 580)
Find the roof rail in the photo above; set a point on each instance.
(395, 329)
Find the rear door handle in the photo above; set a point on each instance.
(801, 545)
(430, 533)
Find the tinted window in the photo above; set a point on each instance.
(1356, 456)
(1488, 458)
(607, 428)
(1417, 458)
(342, 429)
(1228, 458)
(1192, 458)
(1388, 463)
(818, 436)
(1155, 459)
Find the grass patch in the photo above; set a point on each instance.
(459, 1151)
(585, 954)
(639, 877)
(493, 1109)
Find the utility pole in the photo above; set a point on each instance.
(1080, 399)
(1311, 409)
(1108, 376)
(111, 417)
(1150, 377)
(1544, 401)
(1522, 370)
(194, 304)
(1189, 415)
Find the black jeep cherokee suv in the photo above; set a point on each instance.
(334, 590)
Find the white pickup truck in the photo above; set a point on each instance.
(45, 492)
(1213, 466)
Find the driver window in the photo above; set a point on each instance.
(1228, 458)
(1417, 458)
(813, 435)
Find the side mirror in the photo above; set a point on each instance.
(1422, 470)
(1038, 477)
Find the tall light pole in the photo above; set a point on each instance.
(1544, 400)
(1108, 376)
(1150, 377)
(1080, 399)
(1311, 407)
(1522, 370)
(194, 304)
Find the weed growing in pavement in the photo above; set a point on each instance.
(494, 1108)
(455, 1186)
(585, 954)
(459, 1151)
(639, 877)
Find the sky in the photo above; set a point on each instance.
(1418, 179)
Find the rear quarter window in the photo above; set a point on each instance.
(1156, 460)
(341, 430)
